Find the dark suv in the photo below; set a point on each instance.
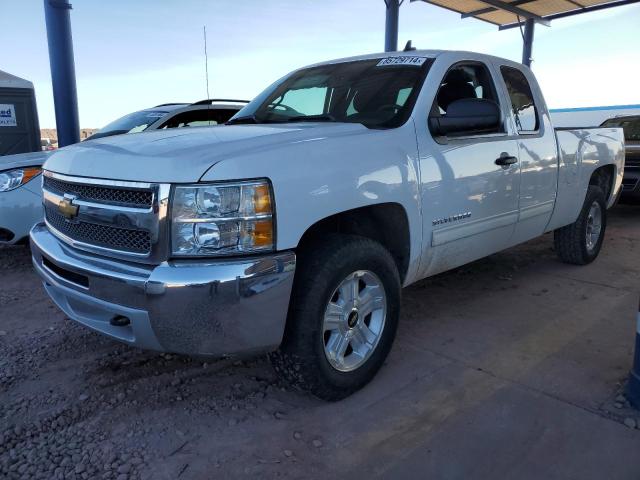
(631, 181)
(173, 115)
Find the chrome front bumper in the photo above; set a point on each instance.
(197, 307)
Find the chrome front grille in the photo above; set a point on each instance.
(118, 196)
(119, 219)
(136, 241)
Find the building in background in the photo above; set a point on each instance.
(19, 128)
(50, 136)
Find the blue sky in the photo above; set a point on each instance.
(135, 54)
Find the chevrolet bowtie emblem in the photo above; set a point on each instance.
(67, 208)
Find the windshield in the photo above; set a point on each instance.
(378, 93)
(630, 126)
(132, 123)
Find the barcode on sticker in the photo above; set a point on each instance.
(404, 60)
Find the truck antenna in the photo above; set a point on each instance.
(206, 60)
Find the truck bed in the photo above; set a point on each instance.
(580, 152)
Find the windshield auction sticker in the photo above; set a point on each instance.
(403, 60)
(8, 115)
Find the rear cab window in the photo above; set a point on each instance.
(523, 106)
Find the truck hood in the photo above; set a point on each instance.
(34, 159)
(184, 155)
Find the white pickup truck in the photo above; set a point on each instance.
(292, 229)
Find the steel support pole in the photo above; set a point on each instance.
(633, 389)
(391, 25)
(527, 47)
(63, 75)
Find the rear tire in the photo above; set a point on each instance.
(580, 242)
(342, 317)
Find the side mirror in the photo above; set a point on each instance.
(468, 115)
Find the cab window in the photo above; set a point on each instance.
(523, 106)
(466, 81)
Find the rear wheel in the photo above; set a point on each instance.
(580, 242)
(343, 316)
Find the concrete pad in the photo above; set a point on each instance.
(517, 433)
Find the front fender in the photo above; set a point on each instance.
(323, 176)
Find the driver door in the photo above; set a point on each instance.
(469, 195)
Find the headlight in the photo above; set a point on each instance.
(222, 219)
(10, 179)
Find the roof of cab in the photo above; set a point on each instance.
(414, 53)
(411, 53)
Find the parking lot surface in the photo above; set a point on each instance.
(510, 367)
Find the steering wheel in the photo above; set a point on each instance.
(286, 108)
(389, 106)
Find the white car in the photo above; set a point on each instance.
(20, 195)
(292, 229)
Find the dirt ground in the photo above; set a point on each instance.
(510, 367)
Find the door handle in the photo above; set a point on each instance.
(505, 159)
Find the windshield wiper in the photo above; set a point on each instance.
(109, 133)
(245, 119)
(323, 117)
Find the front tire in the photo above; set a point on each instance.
(580, 242)
(342, 318)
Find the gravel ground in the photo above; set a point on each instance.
(76, 405)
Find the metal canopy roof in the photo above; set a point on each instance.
(511, 13)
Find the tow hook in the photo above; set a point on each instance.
(120, 321)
